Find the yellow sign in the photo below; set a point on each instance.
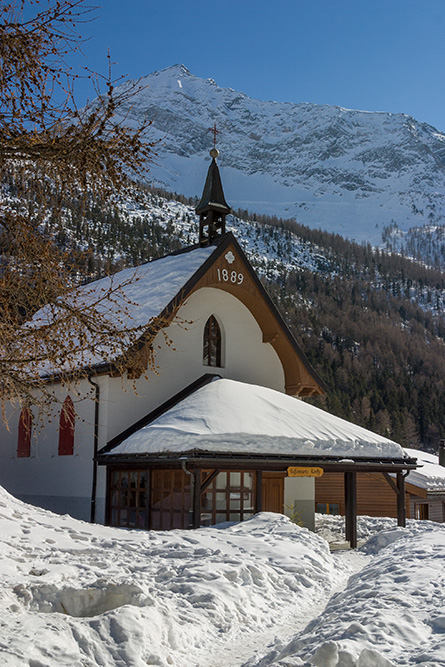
(305, 472)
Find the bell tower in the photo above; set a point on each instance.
(213, 208)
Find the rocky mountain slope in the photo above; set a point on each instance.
(349, 172)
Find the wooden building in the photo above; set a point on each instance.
(424, 491)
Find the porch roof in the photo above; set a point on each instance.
(227, 417)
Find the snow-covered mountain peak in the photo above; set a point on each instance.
(348, 171)
(173, 70)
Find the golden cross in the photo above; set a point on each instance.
(215, 132)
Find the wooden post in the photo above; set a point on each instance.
(351, 508)
(259, 491)
(197, 498)
(401, 500)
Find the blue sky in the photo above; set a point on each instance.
(376, 55)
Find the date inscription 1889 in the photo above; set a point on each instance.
(226, 276)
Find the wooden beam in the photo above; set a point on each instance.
(259, 491)
(401, 500)
(197, 498)
(270, 337)
(351, 508)
(208, 480)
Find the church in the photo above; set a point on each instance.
(220, 431)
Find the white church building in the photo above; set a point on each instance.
(219, 432)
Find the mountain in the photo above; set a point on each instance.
(350, 172)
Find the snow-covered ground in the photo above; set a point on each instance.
(265, 592)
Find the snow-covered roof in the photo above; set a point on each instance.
(138, 295)
(227, 416)
(431, 475)
(149, 288)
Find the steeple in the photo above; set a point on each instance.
(213, 208)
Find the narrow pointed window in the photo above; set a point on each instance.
(66, 428)
(212, 343)
(24, 435)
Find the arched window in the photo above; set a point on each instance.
(24, 435)
(66, 428)
(212, 343)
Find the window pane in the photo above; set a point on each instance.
(221, 480)
(235, 479)
(220, 499)
(170, 499)
(248, 480)
(322, 508)
(212, 343)
(206, 519)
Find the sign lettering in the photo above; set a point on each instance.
(305, 472)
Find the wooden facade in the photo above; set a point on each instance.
(427, 505)
(197, 490)
(166, 498)
(376, 497)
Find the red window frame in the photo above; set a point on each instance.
(66, 428)
(24, 433)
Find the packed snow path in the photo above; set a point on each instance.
(78, 595)
(289, 620)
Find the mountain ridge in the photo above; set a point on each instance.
(347, 171)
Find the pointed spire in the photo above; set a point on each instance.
(213, 208)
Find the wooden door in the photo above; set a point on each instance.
(273, 492)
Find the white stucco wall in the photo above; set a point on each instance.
(245, 357)
(60, 483)
(299, 499)
(63, 483)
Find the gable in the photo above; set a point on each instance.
(227, 268)
(231, 272)
(160, 287)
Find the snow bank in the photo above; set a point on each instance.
(77, 595)
(262, 421)
(332, 528)
(80, 595)
(390, 613)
